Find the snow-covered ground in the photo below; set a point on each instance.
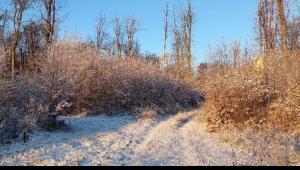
(125, 140)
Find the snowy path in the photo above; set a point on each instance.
(124, 140)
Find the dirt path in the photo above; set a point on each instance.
(124, 140)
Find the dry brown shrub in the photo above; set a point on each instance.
(234, 95)
(22, 106)
(271, 148)
(72, 76)
(259, 116)
(76, 73)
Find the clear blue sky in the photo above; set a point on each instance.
(216, 19)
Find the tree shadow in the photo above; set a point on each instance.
(78, 128)
(169, 98)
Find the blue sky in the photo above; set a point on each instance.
(215, 19)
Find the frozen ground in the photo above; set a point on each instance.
(125, 140)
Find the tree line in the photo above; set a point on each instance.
(278, 35)
(22, 39)
(23, 36)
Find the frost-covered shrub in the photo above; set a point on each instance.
(23, 105)
(75, 74)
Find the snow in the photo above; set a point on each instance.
(125, 140)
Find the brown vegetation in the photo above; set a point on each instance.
(254, 92)
(257, 94)
(75, 77)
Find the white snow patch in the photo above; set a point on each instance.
(124, 140)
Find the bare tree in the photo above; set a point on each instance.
(282, 19)
(178, 52)
(19, 7)
(4, 16)
(100, 31)
(294, 33)
(267, 25)
(236, 51)
(177, 46)
(165, 59)
(49, 19)
(283, 24)
(3, 61)
(131, 28)
(136, 49)
(118, 41)
(32, 37)
(222, 54)
(166, 27)
(187, 21)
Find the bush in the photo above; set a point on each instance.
(22, 105)
(235, 95)
(256, 111)
(72, 76)
(76, 73)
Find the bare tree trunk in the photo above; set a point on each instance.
(236, 50)
(283, 27)
(166, 28)
(19, 8)
(50, 20)
(118, 38)
(53, 20)
(187, 26)
(100, 32)
(283, 32)
(131, 30)
(190, 27)
(267, 25)
(3, 19)
(177, 47)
